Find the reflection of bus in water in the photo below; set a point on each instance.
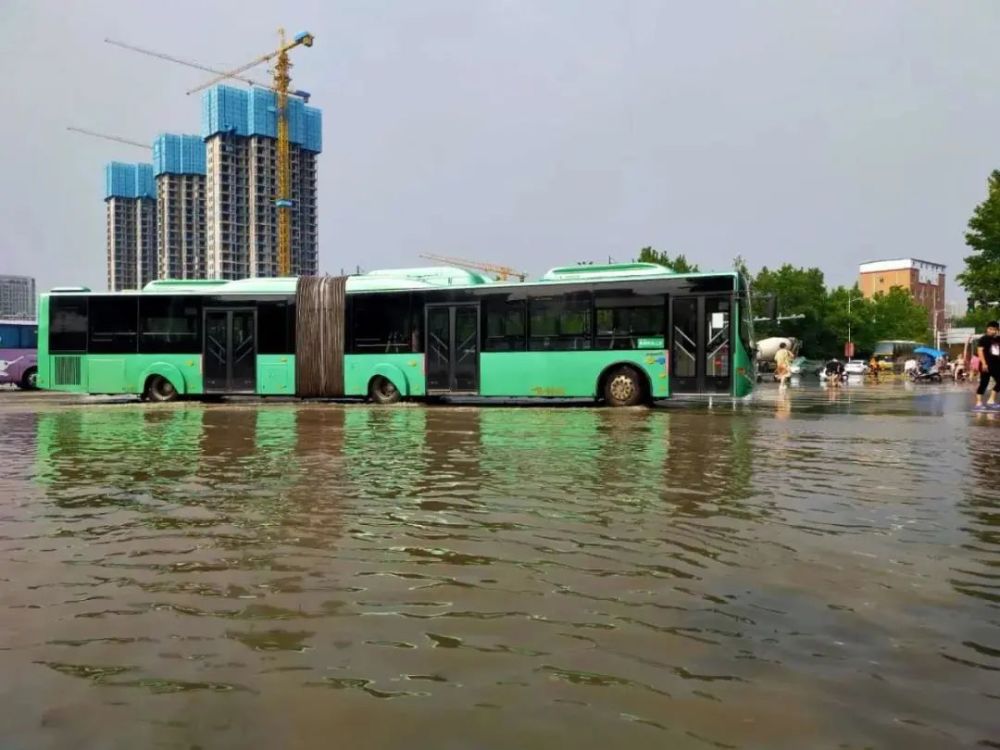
(892, 354)
(18, 360)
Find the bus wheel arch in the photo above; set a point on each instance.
(163, 383)
(624, 384)
(29, 380)
(382, 390)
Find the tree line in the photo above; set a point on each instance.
(822, 318)
(817, 315)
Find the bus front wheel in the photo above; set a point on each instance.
(383, 391)
(158, 388)
(623, 387)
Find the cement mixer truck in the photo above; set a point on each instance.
(767, 348)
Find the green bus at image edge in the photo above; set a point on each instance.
(625, 333)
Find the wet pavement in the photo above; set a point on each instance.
(813, 569)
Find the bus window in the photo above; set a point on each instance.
(67, 324)
(113, 325)
(10, 336)
(504, 325)
(170, 325)
(622, 322)
(273, 329)
(560, 323)
(29, 337)
(383, 323)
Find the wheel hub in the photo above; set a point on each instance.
(622, 387)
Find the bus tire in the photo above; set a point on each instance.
(29, 380)
(383, 391)
(159, 389)
(623, 386)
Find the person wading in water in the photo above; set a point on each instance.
(783, 361)
(988, 349)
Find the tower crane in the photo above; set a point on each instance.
(304, 95)
(502, 272)
(282, 80)
(107, 137)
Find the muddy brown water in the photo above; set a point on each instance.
(812, 570)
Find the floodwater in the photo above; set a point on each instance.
(813, 570)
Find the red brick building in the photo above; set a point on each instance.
(922, 279)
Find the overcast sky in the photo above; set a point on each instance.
(537, 133)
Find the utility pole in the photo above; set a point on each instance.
(850, 343)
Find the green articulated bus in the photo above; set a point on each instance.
(623, 333)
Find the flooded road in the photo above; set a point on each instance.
(812, 570)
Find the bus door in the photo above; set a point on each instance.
(452, 351)
(701, 344)
(229, 364)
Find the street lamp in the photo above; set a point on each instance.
(937, 339)
(850, 345)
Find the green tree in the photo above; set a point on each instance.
(860, 326)
(981, 277)
(799, 292)
(678, 264)
(896, 315)
(978, 318)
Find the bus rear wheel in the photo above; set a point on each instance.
(623, 387)
(159, 389)
(382, 391)
(29, 381)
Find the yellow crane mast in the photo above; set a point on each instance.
(282, 80)
(502, 272)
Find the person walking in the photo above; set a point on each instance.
(988, 350)
(873, 368)
(834, 373)
(783, 363)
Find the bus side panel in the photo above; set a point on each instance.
(359, 369)
(129, 379)
(276, 374)
(572, 374)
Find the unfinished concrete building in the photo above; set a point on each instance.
(181, 228)
(240, 130)
(130, 198)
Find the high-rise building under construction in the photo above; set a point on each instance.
(241, 183)
(130, 198)
(179, 169)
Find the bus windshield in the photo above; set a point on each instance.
(895, 349)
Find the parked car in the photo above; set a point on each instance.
(801, 366)
(856, 367)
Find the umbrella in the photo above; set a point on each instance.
(935, 353)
